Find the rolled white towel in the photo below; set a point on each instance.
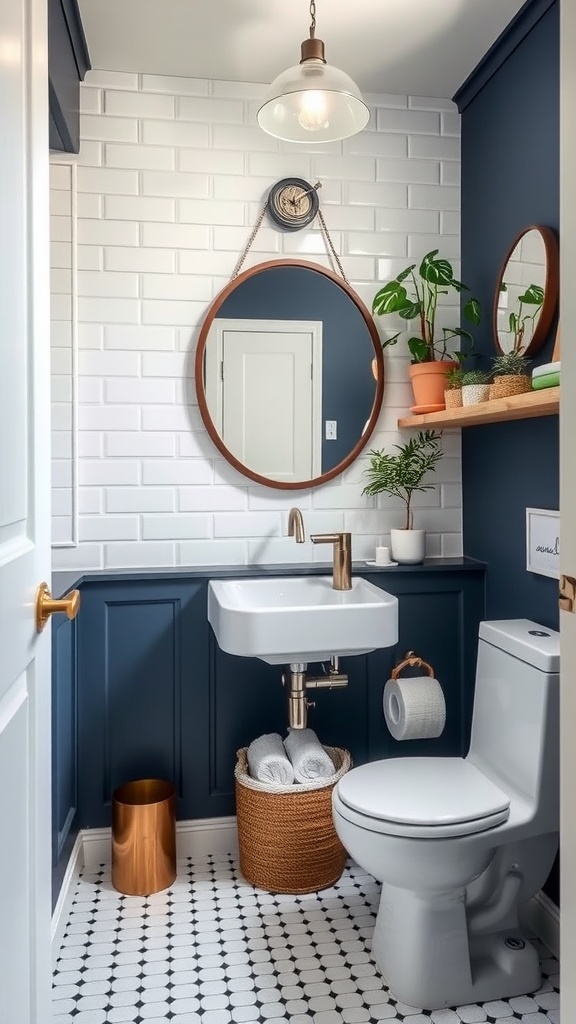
(268, 762)
(309, 759)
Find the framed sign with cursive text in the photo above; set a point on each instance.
(543, 541)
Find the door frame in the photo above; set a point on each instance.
(567, 506)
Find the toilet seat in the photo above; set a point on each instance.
(422, 797)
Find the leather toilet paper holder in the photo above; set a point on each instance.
(412, 660)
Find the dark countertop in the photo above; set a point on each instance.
(62, 582)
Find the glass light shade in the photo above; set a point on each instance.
(313, 102)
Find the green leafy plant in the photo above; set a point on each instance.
(418, 300)
(402, 474)
(454, 379)
(510, 364)
(475, 377)
(518, 322)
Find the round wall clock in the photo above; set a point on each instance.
(293, 203)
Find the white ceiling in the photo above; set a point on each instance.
(415, 47)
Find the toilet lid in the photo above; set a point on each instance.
(423, 791)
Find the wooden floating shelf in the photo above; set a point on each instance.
(517, 407)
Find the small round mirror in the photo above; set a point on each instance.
(527, 292)
(289, 374)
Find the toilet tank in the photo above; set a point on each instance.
(515, 723)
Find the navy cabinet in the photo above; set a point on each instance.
(68, 62)
(142, 689)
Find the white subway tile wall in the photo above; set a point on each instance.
(63, 326)
(146, 230)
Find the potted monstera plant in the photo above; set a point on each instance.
(401, 474)
(414, 295)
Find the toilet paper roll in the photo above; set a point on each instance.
(414, 708)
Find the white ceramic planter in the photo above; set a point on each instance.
(408, 546)
(472, 394)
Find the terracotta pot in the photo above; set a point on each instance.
(428, 383)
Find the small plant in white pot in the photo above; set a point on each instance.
(400, 475)
(475, 387)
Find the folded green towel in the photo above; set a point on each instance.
(544, 368)
(548, 380)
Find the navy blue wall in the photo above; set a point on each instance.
(348, 387)
(510, 179)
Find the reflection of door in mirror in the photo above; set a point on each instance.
(264, 372)
(527, 292)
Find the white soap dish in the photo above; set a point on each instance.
(381, 565)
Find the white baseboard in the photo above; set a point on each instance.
(206, 835)
(196, 838)
(542, 917)
(64, 901)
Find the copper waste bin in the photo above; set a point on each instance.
(143, 837)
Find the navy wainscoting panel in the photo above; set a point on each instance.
(158, 697)
(64, 745)
(439, 621)
(142, 691)
(506, 186)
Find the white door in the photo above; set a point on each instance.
(568, 511)
(24, 516)
(264, 392)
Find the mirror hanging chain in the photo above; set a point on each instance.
(326, 235)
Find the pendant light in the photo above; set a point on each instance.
(313, 102)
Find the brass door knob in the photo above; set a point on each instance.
(46, 605)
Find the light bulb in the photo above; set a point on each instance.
(313, 113)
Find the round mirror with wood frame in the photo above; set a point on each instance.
(527, 292)
(289, 374)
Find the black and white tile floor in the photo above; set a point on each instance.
(213, 950)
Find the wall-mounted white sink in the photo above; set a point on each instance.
(300, 618)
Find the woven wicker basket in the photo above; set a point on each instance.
(510, 384)
(453, 398)
(286, 837)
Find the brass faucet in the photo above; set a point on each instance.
(296, 525)
(342, 567)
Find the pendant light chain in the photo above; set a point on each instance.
(312, 18)
(326, 234)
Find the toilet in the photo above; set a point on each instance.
(460, 844)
